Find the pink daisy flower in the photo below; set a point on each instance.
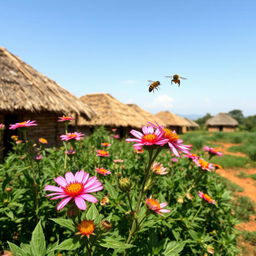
(116, 136)
(75, 187)
(103, 171)
(212, 151)
(206, 197)
(192, 156)
(39, 157)
(72, 136)
(22, 124)
(155, 206)
(65, 118)
(174, 160)
(159, 169)
(102, 153)
(204, 164)
(150, 136)
(105, 144)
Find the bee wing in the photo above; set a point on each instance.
(150, 81)
(169, 76)
(182, 77)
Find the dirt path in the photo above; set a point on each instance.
(223, 147)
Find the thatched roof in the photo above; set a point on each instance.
(24, 88)
(110, 112)
(192, 123)
(171, 119)
(222, 119)
(148, 117)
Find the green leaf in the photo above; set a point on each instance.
(65, 223)
(114, 243)
(112, 191)
(68, 244)
(37, 244)
(16, 250)
(93, 214)
(173, 248)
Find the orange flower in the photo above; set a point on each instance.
(105, 144)
(206, 197)
(86, 228)
(43, 140)
(104, 200)
(103, 153)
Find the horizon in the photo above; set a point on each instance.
(116, 47)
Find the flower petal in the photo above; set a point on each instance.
(79, 176)
(80, 203)
(63, 202)
(53, 188)
(89, 198)
(70, 177)
(61, 181)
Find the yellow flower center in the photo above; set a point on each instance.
(203, 163)
(102, 170)
(149, 138)
(102, 152)
(170, 135)
(72, 135)
(22, 123)
(86, 227)
(153, 204)
(74, 189)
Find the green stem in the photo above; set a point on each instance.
(88, 247)
(129, 200)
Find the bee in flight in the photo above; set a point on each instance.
(176, 79)
(154, 85)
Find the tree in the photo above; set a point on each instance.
(201, 121)
(237, 114)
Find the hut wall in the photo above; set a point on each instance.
(48, 127)
(213, 129)
(229, 129)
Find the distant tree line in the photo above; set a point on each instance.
(245, 123)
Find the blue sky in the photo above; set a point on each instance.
(116, 46)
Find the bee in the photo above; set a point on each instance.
(154, 85)
(176, 79)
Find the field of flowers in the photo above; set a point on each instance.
(99, 195)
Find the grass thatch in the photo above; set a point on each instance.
(23, 88)
(110, 112)
(171, 119)
(222, 119)
(148, 117)
(193, 124)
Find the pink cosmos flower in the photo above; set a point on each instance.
(102, 153)
(150, 136)
(2, 126)
(118, 161)
(105, 144)
(65, 118)
(116, 136)
(72, 136)
(159, 169)
(204, 164)
(39, 157)
(75, 187)
(206, 197)
(212, 151)
(23, 124)
(113, 129)
(103, 171)
(192, 156)
(155, 206)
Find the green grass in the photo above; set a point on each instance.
(244, 208)
(245, 175)
(228, 161)
(249, 237)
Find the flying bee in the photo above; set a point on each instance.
(176, 79)
(154, 85)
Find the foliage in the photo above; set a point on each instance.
(243, 208)
(32, 226)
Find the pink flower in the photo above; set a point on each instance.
(204, 164)
(174, 160)
(2, 126)
(102, 153)
(118, 161)
(206, 197)
(105, 144)
(155, 206)
(191, 156)
(39, 157)
(72, 136)
(103, 171)
(159, 169)
(23, 124)
(212, 151)
(71, 151)
(76, 187)
(65, 119)
(150, 136)
(113, 129)
(116, 136)
(138, 149)
(174, 142)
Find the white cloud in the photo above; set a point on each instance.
(162, 101)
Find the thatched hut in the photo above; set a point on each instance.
(27, 94)
(148, 117)
(221, 122)
(111, 113)
(193, 125)
(174, 122)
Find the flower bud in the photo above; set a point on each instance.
(106, 225)
(210, 249)
(125, 184)
(8, 189)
